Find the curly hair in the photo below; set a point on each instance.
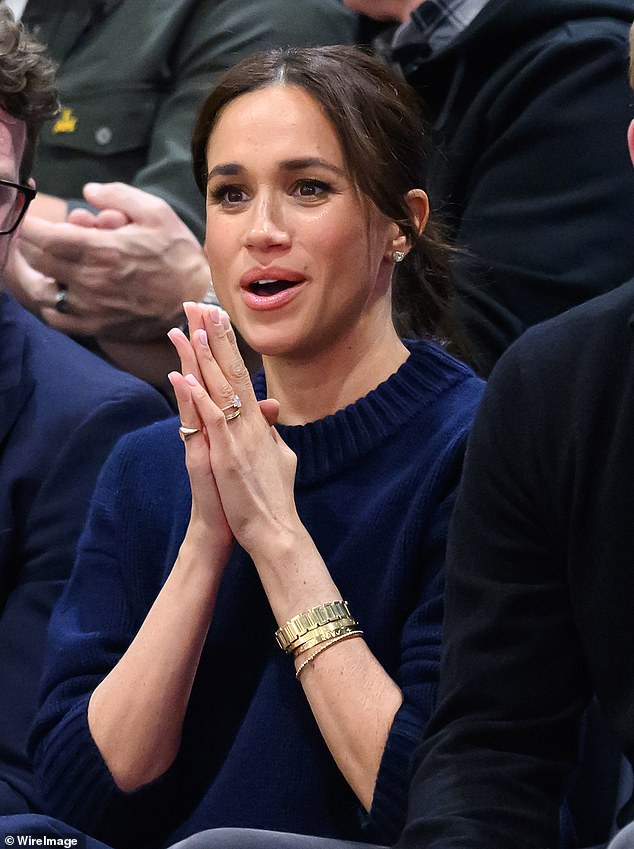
(27, 82)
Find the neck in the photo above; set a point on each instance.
(318, 386)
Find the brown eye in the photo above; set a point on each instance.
(228, 196)
(234, 196)
(311, 188)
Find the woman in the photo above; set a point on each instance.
(169, 706)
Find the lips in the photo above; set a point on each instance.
(271, 287)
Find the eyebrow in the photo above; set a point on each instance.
(232, 169)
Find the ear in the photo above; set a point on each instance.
(630, 140)
(418, 203)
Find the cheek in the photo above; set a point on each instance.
(340, 238)
(220, 243)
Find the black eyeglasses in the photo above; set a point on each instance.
(14, 202)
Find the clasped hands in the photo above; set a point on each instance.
(241, 472)
(125, 270)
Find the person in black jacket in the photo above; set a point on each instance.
(529, 103)
(540, 585)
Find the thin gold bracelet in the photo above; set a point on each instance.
(318, 635)
(310, 659)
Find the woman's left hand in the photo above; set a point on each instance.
(254, 469)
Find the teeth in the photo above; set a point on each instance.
(264, 282)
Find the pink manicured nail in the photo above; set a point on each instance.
(225, 320)
(215, 315)
(202, 337)
(171, 377)
(191, 380)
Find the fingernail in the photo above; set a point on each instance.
(225, 320)
(171, 377)
(191, 380)
(92, 187)
(215, 315)
(202, 337)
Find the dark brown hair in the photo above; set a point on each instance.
(27, 82)
(385, 144)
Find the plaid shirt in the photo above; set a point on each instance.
(435, 23)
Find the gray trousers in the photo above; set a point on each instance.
(247, 838)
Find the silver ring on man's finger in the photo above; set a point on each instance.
(234, 406)
(187, 432)
(61, 302)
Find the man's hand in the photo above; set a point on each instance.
(126, 270)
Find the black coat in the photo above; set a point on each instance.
(540, 587)
(530, 105)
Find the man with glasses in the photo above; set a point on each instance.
(61, 410)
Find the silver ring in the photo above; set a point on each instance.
(235, 405)
(61, 303)
(187, 432)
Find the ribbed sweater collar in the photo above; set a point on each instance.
(329, 445)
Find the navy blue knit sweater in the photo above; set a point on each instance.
(375, 486)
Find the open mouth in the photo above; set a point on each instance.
(271, 287)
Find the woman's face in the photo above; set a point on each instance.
(298, 260)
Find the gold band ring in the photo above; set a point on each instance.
(235, 405)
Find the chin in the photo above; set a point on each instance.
(271, 342)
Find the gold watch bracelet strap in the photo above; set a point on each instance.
(298, 626)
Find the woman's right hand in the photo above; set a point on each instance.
(207, 511)
(207, 515)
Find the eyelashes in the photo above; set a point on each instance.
(226, 195)
(233, 196)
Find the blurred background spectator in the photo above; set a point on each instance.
(529, 103)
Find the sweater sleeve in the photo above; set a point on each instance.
(419, 662)
(93, 624)
(491, 768)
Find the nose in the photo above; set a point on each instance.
(266, 227)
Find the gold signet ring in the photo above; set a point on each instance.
(187, 432)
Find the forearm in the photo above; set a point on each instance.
(354, 723)
(136, 714)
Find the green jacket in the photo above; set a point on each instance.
(132, 74)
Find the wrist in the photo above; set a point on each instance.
(203, 549)
(274, 547)
(293, 574)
